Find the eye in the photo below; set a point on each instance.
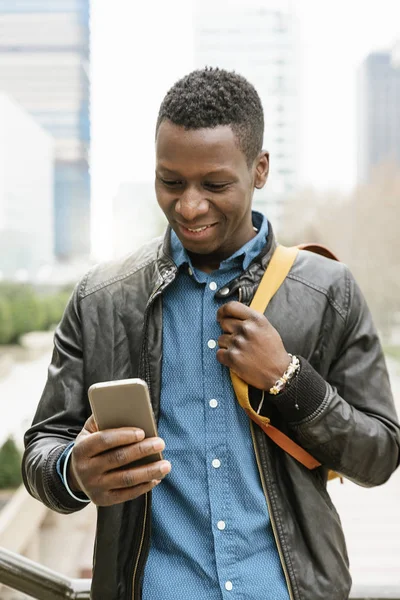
(216, 187)
(171, 182)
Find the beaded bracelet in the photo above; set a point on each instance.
(288, 375)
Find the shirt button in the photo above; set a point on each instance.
(228, 585)
(213, 286)
(221, 525)
(211, 343)
(213, 403)
(216, 463)
(225, 291)
(190, 271)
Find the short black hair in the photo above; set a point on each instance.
(210, 97)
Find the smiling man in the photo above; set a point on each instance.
(227, 513)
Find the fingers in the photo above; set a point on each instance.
(118, 496)
(125, 455)
(231, 342)
(230, 325)
(101, 477)
(224, 341)
(234, 317)
(236, 330)
(235, 310)
(227, 357)
(91, 425)
(135, 476)
(101, 441)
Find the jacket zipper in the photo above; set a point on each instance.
(140, 546)
(271, 516)
(149, 304)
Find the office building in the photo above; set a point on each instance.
(259, 40)
(44, 66)
(378, 111)
(26, 193)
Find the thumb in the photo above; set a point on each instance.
(91, 426)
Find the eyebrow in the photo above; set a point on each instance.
(220, 171)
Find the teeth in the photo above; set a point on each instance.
(199, 228)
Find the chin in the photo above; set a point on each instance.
(195, 249)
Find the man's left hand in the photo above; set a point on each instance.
(250, 346)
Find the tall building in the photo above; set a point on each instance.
(378, 111)
(44, 66)
(259, 39)
(137, 217)
(26, 193)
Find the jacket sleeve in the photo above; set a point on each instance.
(348, 422)
(60, 416)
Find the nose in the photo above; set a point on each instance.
(191, 204)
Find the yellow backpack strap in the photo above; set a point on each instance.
(279, 266)
(275, 274)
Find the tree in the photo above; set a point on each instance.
(362, 230)
(375, 243)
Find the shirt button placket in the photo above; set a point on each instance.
(213, 423)
(228, 586)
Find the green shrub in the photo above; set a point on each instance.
(54, 307)
(10, 465)
(28, 313)
(392, 351)
(6, 322)
(24, 308)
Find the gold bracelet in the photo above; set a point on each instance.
(288, 375)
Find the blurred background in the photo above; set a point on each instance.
(80, 87)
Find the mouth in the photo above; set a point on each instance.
(200, 231)
(197, 229)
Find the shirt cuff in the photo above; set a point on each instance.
(62, 467)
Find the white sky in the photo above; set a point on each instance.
(140, 49)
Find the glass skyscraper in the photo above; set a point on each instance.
(259, 39)
(378, 111)
(44, 66)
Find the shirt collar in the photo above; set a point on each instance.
(243, 256)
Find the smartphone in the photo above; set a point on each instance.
(124, 403)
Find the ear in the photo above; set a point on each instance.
(261, 169)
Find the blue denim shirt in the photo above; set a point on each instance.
(211, 533)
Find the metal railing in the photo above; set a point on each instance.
(24, 575)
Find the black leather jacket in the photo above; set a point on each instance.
(112, 329)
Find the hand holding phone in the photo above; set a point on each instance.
(117, 456)
(124, 403)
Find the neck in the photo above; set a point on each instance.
(211, 262)
(204, 263)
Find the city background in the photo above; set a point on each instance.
(80, 87)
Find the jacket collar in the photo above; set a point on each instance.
(247, 280)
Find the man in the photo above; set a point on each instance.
(227, 513)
